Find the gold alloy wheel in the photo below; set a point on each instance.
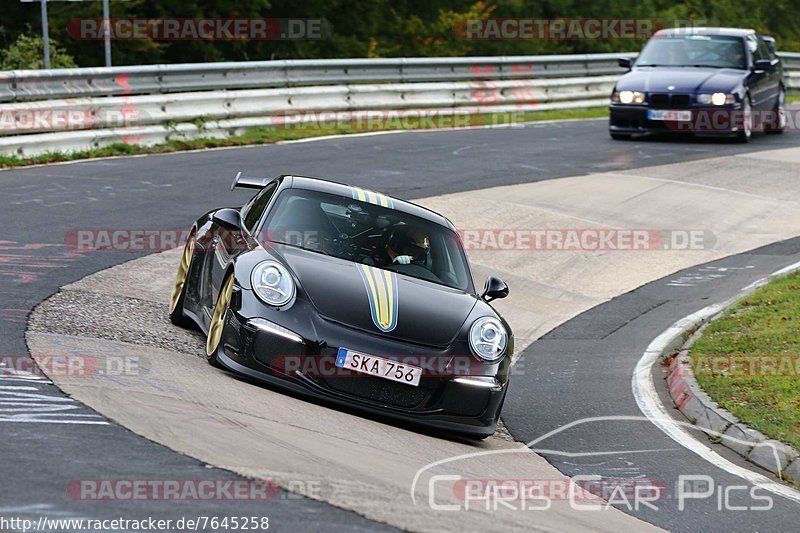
(218, 320)
(183, 271)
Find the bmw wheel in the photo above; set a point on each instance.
(778, 123)
(746, 133)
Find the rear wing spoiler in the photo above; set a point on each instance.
(249, 182)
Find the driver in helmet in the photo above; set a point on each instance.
(408, 245)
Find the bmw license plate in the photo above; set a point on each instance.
(378, 366)
(669, 114)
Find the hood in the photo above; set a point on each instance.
(684, 80)
(362, 297)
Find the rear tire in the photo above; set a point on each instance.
(621, 136)
(176, 315)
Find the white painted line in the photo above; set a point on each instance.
(649, 402)
(38, 421)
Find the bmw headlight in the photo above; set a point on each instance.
(628, 97)
(272, 283)
(716, 99)
(488, 338)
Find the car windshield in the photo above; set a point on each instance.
(693, 51)
(368, 233)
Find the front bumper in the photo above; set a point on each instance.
(300, 355)
(706, 121)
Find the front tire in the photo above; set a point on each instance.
(178, 297)
(217, 325)
(746, 133)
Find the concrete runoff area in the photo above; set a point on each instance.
(369, 466)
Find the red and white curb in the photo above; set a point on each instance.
(699, 408)
(722, 426)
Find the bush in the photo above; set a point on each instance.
(27, 53)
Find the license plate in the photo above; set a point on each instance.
(669, 114)
(378, 366)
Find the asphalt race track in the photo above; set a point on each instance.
(582, 368)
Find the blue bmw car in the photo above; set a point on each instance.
(701, 81)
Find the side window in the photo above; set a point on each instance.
(763, 50)
(256, 207)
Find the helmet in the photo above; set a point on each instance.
(418, 238)
(411, 241)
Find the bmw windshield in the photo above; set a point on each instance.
(714, 51)
(370, 234)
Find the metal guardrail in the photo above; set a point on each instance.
(25, 85)
(154, 103)
(791, 60)
(281, 104)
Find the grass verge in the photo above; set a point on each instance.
(271, 135)
(749, 360)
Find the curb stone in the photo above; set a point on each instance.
(719, 424)
(792, 472)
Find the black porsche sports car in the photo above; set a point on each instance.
(350, 296)
(702, 81)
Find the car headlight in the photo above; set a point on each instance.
(488, 338)
(716, 99)
(628, 97)
(272, 283)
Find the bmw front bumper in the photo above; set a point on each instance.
(705, 121)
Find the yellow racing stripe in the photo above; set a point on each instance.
(372, 197)
(381, 288)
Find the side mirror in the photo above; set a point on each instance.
(228, 218)
(625, 62)
(494, 289)
(763, 64)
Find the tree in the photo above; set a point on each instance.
(28, 53)
(384, 28)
